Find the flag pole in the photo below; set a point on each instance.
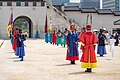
(10, 23)
(46, 25)
(12, 14)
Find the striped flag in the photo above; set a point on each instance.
(50, 27)
(10, 24)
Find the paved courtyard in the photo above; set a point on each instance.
(47, 62)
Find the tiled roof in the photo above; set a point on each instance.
(92, 10)
(72, 8)
(88, 10)
(116, 13)
(117, 22)
(104, 11)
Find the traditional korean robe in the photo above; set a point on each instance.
(20, 46)
(101, 50)
(47, 37)
(88, 41)
(72, 51)
(54, 37)
(15, 41)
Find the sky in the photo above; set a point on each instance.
(78, 1)
(75, 1)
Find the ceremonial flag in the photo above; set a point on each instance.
(50, 27)
(46, 25)
(10, 24)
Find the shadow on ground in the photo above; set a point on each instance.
(13, 58)
(11, 52)
(65, 64)
(77, 73)
(17, 61)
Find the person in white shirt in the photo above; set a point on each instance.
(112, 42)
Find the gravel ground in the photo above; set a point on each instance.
(47, 62)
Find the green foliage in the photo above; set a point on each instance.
(22, 23)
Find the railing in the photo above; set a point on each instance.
(20, 3)
(63, 15)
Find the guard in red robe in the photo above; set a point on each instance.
(88, 41)
(54, 37)
(15, 41)
(82, 33)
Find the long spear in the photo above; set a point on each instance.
(87, 19)
(91, 18)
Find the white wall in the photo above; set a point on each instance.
(36, 14)
(99, 20)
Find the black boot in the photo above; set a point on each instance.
(88, 70)
(101, 55)
(72, 62)
(19, 56)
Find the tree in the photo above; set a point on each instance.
(22, 23)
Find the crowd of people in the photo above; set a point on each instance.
(56, 38)
(88, 40)
(71, 38)
(17, 39)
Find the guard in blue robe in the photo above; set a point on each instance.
(20, 45)
(72, 43)
(50, 38)
(101, 50)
